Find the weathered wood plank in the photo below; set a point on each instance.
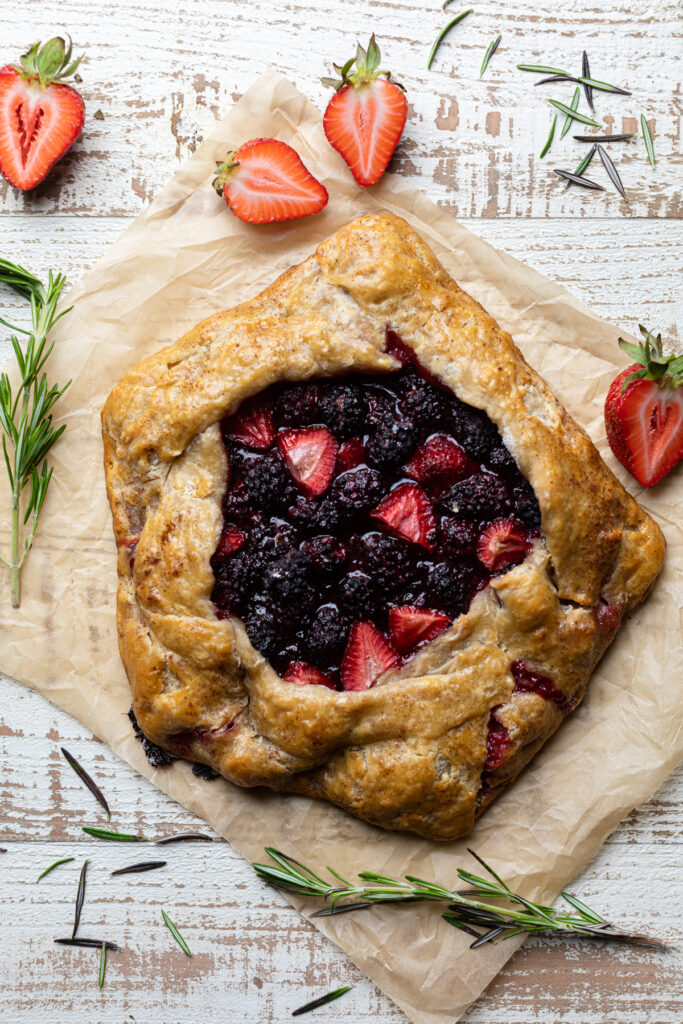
(472, 144)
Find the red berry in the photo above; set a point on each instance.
(503, 543)
(302, 673)
(367, 656)
(310, 455)
(644, 426)
(231, 541)
(350, 455)
(409, 626)
(498, 743)
(407, 512)
(252, 424)
(439, 462)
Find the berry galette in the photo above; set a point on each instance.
(364, 553)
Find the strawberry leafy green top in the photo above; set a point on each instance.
(666, 370)
(367, 69)
(48, 62)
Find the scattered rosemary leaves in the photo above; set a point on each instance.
(176, 934)
(576, 179)
(184, 837)
(468, 910)
(574, 114)
(103, 964)
(121, 837)
(26, 417)
(585, 162)
(647, 139)
(574, 105)
(490, 50)
(611, 171)
(64, 860)
(322, 1001)
(87, 780)
(550, 138)
(80, 897)
(143, 865)
(443, 33)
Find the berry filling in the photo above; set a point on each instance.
(529, 681)
(362, 515)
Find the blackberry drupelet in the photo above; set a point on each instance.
(296, 405)
(342, 408)
(481, 496)
(326, 635)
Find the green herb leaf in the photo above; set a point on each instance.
(576, 179)
(103, 964)
(550, 138)
(574, 114)
(573, 106)
(121, 837)
(87, 780)
(143, 865)
(322, 1001)
(611, 171)
(64, 860)
(647, 139)
(176, 934)
(87, 943)
(584, 163)
(541, 69)
(490, 50)
(442, 35)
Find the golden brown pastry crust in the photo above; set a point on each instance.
(408, 753)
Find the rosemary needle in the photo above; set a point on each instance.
(143, 865)
(648, 140)
(87, 780)
(585, 162)
(322, 1001)
(490, 50)
(550, 138)
(88, 944)
(611, 171)
(574, 114)
(176, 934)
(576, 179)
(574, 105)
(64, 860)
(586, 73)
(121, 837)
(80, 897)
(444, 32)
(103, 964)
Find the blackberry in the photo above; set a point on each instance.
(236, 504)
(157, 757)
(500, 461)
(288, 579)
(391, 441)
(267, 481)
(357, 490)
(450, 588)
(326, 635)
(387, 560)
(426, 405)
(481, 496)
(459, 538)
(320, 516)
(341, 407)
(525, 503)
(327, 554)
(296, 405)
(358, 597)
(264, 630)
(269, 539)
(235, 579)
(474, 430)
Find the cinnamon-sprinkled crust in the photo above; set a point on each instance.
(409, 753)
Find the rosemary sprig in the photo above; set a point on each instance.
(80, 897)
(468, 910)
(103, 964)
(176, 934)
(121, 837)
(490, 50)
(64, 860)
(574, 114)
(574, 105)
(322, 1001)
(443, 33)
(87, 780)
(26, 417)
(647, 139)
(550, 138)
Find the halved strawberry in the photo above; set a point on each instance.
(644, 411)
(409, 626)
(503, 543)
(365, 118)
(366, 657)
(252, 424)
(350, 455)
(439, 462)
(40, 117)
(310, 455)
(265, 180)
(302, 673)
(407, 512)
(232, 539)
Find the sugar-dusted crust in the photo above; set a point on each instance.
(409, 753)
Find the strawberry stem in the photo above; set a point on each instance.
(665, 370)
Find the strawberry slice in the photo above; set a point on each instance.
(409, 626)
(503, 543)
(407, 513)
(301, 673)
(439, 462)
(40, 117)
(350, 455)
(366, 657)
(310, 455)
(252, 424)
(232, 539)
(264, 181)
(365, 118)
(644, 411)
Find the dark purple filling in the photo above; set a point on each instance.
(312, 566)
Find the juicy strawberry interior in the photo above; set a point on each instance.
(387, 533)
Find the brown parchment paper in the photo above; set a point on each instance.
(186, 257)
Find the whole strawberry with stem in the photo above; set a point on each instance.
(365, 118)
(40, 116)
(644, 411)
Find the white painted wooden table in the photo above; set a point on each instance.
(162, 74)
